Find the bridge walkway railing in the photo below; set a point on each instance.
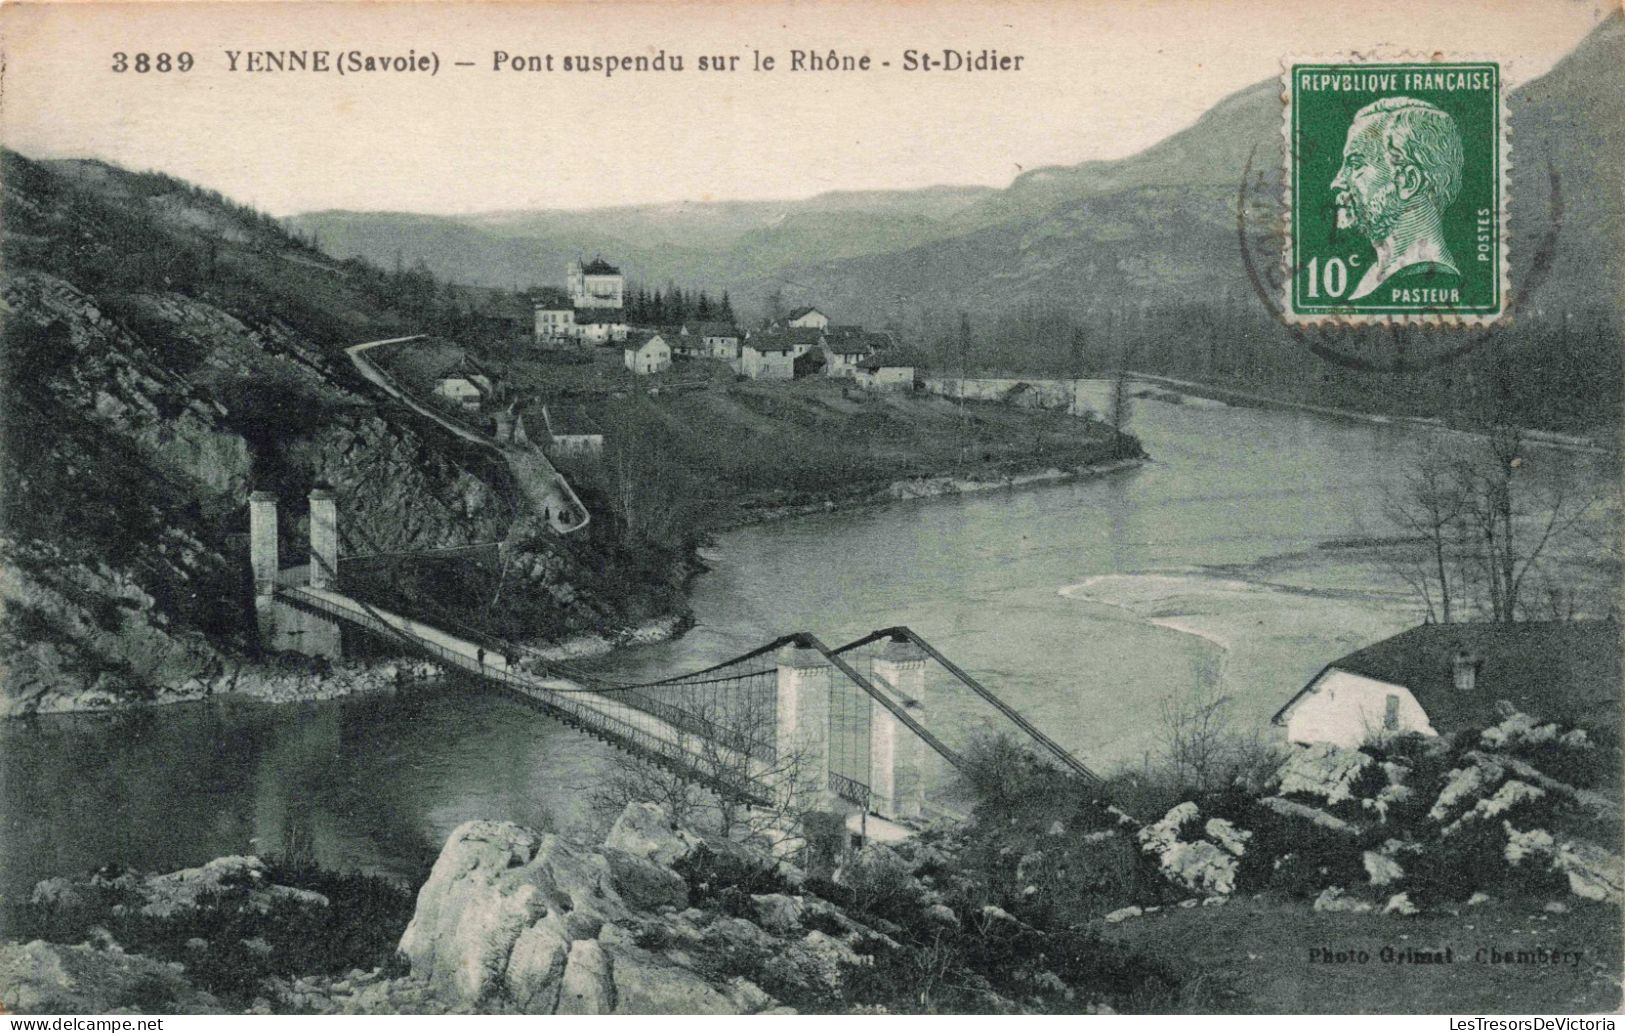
(622, 724)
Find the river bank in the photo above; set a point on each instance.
(924, 487)
(293, 679)
(1248, 399)
(280, 680)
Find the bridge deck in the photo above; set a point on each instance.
(600, 713)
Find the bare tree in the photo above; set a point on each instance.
(1488, 528)
(1427, 506)
(1512, 520)
(730, 777)
(1119, 409)
(1202, 747)
(651, 499)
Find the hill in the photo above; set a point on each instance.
(1139, 256)
(165, 351)
(698, 243)
(1161, 225)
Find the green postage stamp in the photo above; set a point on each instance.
(1396, 191)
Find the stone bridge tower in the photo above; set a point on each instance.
(285, 628)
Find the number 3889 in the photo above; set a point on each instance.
(142, 63)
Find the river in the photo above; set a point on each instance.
(1215, 567)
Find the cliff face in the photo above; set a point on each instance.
(166, 351)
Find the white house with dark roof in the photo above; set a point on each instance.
(601, 325)
(807, 317)
(713, 340)
(846, 351)
(1437, 679)
(647, 353)
(465, 383)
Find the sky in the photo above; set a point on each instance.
(1099, 79)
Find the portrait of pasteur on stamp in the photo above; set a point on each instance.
(1396, 177)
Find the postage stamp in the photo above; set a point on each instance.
(1396, 189)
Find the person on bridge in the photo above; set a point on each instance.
(479, 654)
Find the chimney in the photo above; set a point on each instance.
(1464, 670)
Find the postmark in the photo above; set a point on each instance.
(1396, 184)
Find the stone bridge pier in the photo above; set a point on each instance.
(895, 776)
(896, 754)
(285, 628)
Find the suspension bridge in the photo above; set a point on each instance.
(866, 727)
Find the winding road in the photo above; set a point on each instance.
(541, 483)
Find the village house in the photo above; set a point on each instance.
(464, 383)
(801, 339)
(647, 353)
(845, 351)
(601, 326)
(711, 340)
(768, 357)
(510, 426)
(595, 285)
(807, 317)
(1438, 679)
(877, 374)
(555, 317)
(682, 342)
(571, 433)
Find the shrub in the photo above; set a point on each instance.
(1296, 857)
(359, 928)
(722, 880)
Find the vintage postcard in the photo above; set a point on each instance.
(765, 508)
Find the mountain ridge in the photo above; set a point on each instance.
(988, 250)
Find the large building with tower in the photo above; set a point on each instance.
(596, 284)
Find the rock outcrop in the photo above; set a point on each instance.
(42, 978)
(516, 920)
(242, 879)
(1201, 858)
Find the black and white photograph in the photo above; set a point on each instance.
(956, 507)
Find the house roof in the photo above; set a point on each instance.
(1566, 670)
(802, 311)
(859, 343)
(636, 340)
(592, 316)
(599, 267)
(463, 365)
(786, 339)
(550, 298)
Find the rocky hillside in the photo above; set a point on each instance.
(165, 351)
